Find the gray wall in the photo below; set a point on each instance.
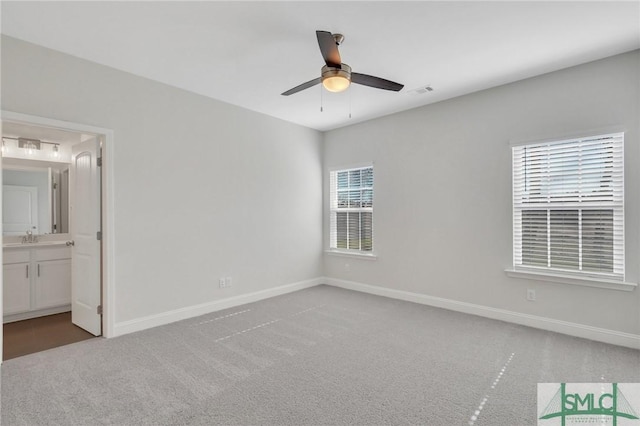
(442, 212)
(203, 189)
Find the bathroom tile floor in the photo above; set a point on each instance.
(39, 334)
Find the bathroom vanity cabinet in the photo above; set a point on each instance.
(37, 280)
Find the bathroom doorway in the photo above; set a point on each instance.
(52, 277)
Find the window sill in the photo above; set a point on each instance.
(358, 255)
(570, 279)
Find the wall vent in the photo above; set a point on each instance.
(421, 90)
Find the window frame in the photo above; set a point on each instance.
(615, 279)
(333, 209)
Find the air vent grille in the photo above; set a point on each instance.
(421, 90)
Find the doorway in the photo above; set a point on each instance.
(53, 281)
(40, 334)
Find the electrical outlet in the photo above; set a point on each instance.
(531, 294)
(229, 281)
(223, 283)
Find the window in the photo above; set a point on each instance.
(568, 207)
(351, 208)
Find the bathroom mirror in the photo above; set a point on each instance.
(35, 197)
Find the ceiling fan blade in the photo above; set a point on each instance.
(302, 86)
(377, 82)
(329, 49)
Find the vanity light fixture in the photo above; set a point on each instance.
(33, 145)
(30, 145)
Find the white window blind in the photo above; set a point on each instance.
(568, 206)
(351, 209)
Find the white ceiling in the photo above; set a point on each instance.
(247, 53)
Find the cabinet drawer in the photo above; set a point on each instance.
(15, 256)
(52, 253)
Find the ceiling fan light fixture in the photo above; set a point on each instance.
(336, 76)
(336, 79)
(336, 83)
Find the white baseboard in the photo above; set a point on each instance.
(564, 327)
(150, 321)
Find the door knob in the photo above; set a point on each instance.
(71, 243)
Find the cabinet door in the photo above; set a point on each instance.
(53, 283)
(16, 290)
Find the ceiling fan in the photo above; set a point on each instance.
(336, 76)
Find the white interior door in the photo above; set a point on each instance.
(19, 209)
(85, 225)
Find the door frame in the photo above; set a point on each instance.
(107, 180)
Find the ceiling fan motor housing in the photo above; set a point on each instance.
(336, 79)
